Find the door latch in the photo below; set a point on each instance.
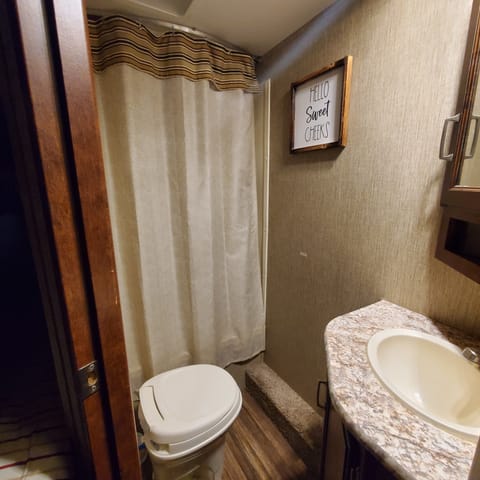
(88, 379)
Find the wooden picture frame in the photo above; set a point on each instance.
(320, 103)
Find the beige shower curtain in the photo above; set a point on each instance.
(180, 168)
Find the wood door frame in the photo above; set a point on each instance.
(19, 122)
(49, 102)
(80, 101)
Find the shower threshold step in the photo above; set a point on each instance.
(298, 422)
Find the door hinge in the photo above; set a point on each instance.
(88, 379)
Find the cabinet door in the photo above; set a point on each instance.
(360, 464)
(48, 99)
(461, 188)
(459, 238)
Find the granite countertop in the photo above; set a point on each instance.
(406, 444)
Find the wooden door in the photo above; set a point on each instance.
(47, 97)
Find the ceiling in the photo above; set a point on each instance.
(253, 25)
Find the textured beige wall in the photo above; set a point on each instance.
(349, 227)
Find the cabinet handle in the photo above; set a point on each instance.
(319, 389)
(476, 119)
(447, 156)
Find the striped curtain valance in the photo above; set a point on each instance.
(117, 39)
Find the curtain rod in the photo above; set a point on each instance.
(173, 26)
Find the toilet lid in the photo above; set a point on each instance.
(182, 403)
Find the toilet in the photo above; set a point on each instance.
(185, 414)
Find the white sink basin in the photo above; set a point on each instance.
(431, 376)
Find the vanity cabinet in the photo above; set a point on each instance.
(459, 238)
(359, 463)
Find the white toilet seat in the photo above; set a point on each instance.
(184, 409)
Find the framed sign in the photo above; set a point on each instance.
(320, 108)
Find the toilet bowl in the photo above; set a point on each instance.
(185, 414)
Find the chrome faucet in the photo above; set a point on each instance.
(472, 355)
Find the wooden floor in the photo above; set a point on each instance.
(256, 450)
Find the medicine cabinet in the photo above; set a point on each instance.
(459, 237)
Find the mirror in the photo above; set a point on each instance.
(464, 171)
(469, 172)
(459, 236)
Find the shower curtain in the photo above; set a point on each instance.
(179, 155)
